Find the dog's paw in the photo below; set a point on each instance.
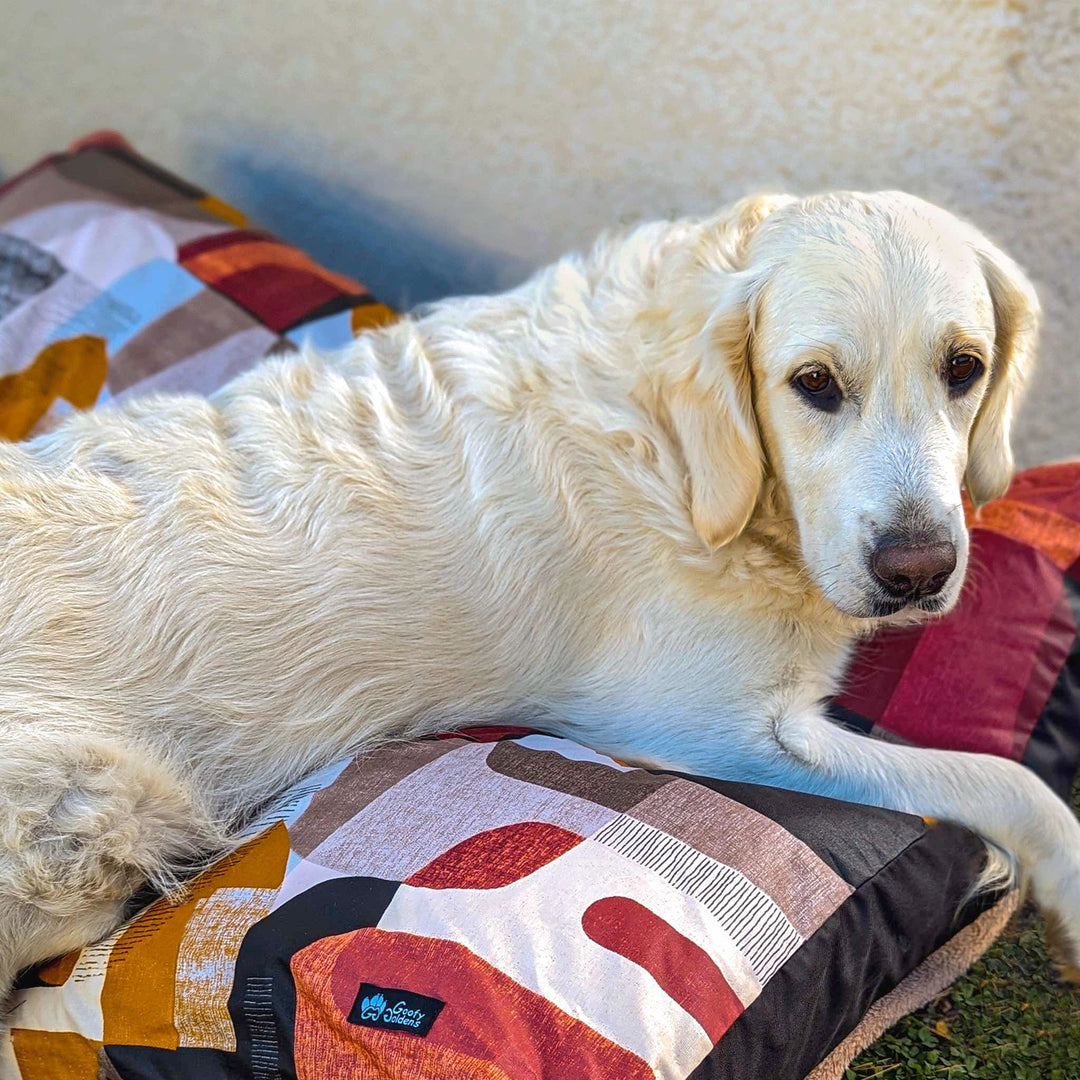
(1057, 889)
(1062, 953)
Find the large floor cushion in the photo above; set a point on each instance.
(507, 906)
(519, 909)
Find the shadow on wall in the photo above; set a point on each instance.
(403, 258)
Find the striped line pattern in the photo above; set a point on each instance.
(259, 1013)
(756, 925)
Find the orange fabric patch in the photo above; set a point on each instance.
(59, 971)
(370, 316)
(73, 369)
(219, 263)
(223, 210)
(1056, 536)
(55, 1055)
(137, 998)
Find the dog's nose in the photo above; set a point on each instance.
(913, 570)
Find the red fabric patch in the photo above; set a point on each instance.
(485, 734)
(876, 668)
(981, 678)
(682, 969)
(1050, 657)
(496, 857)
(277, 296)
(104, 139)
(219, 240)
(492, 1028)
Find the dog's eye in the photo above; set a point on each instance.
(815, 380)
(819, 388)
(963, 371)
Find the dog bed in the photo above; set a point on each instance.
(498, 903)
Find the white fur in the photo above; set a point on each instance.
(594, 504)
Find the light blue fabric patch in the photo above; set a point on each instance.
(333, 332)
(132, 303)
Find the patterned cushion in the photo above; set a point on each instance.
(117, 278)
(514, 909)
(505, 907)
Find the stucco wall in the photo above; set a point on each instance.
(440, 147)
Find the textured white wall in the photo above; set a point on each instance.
(434, 147)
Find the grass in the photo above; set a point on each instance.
(1007, 1019)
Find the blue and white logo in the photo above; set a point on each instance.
(375, 1008)
(371, 1008)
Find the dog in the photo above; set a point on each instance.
(647, 500)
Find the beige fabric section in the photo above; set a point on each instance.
(938, 971)
(359, 784)
(207, 961)
(424, 815)
(780, 865)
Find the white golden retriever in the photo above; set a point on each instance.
(646, 500)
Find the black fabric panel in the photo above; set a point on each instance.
(1053, 751)
(148, 1063)
(854, 840)
(849, 717)
(883, 931)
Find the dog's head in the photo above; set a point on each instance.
(869, 351)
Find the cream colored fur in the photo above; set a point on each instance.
(594, 504)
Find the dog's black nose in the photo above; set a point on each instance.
(912, 570)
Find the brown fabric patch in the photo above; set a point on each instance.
(589, 780)
(106, 1069)
(135, 181)
(203, 321)
(49, 188)
(361, 782)
(208, 370)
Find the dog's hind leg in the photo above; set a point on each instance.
(83, 823)
(1001, 800)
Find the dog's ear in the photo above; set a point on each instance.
(710, 405)
(1016, 325)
